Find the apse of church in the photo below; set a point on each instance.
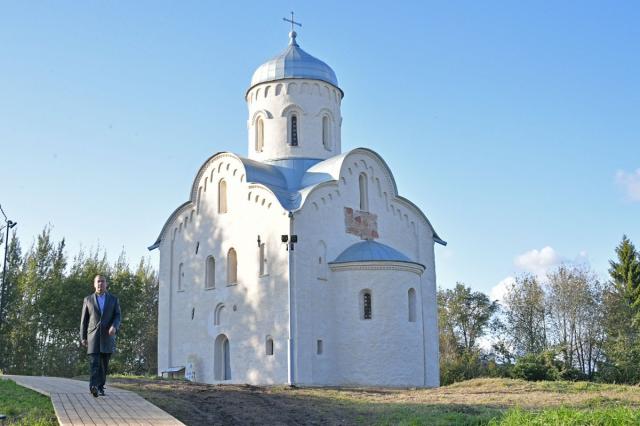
(298, 263)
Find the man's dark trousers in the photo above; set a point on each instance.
(99, 366)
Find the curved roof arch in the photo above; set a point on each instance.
(291, 181)
(254, 171)
(332, 168)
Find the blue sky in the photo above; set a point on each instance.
(514, 126)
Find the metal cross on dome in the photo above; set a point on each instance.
(292, 21)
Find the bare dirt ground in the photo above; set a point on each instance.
(202, 404)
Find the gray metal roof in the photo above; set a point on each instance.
(294, 63)
(371, 251)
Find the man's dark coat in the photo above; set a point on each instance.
(94, 325)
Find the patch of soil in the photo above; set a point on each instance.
(203, 404)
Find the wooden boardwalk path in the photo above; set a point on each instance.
(74, 405)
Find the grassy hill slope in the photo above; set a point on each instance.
(475, 402)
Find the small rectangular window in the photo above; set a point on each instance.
(319, 347)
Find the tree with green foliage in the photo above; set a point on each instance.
(525, 316)
(467, 314)
(575, 320)
(41, 336)
(621, 317)
(625, 272)
(464, 317)
(138, 338)
(11, 296)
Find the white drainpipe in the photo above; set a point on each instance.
(290, 355)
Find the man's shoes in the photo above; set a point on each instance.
(94, 391)
(101, 391)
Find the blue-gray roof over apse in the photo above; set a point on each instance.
(294, 63)
(371, 251)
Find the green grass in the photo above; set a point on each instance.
(24, 407)
(437, 415)
(616, 416)
(480, 416)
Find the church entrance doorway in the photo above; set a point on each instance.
(221, 358)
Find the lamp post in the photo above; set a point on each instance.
(10, 224)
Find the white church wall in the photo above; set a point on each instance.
(255, 307)
(164, 301)
(311, 100)
(387, 349)
(314, 297)
(323, 219)
(430, 313)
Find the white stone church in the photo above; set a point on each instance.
(299, 263)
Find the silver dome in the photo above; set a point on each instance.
(293, 63)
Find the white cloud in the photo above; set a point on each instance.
(538, 262)
(499, 290)
(630, 182)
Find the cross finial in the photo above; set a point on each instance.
(292, 22)
(292, 34)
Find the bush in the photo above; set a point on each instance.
(572, 375)
(462, 367)
(470, 365)
(534, 367)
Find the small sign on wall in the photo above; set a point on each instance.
(362, 224)
(190, 372)
(191, 367)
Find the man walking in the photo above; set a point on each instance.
(99, 324)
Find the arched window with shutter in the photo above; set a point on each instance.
(412, 305)
(326, 133)
(210, 273)
(259, 134)
(269, 346)
(180, 276)
(232, 267)
(364, 193)
(222, 196)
